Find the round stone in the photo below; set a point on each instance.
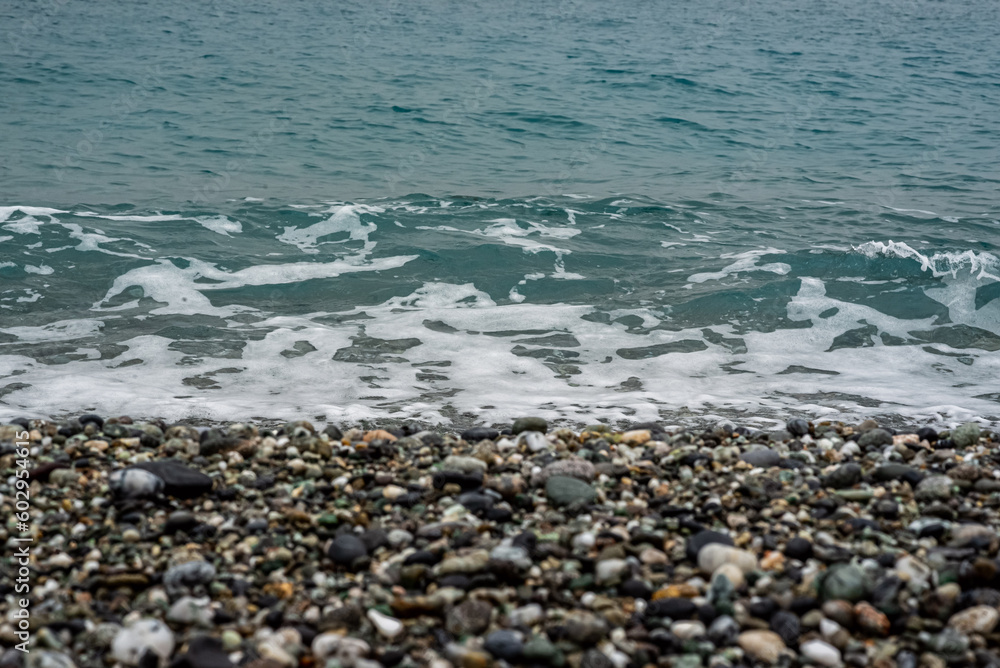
(566, 491)
(132, 641)
(714, 555)
(786, 625)
(761, 457)
(610, 571)
(703, 538)
(797, 427)
(529, 424)
(504, 644)
(874, 438)
(980, 619)
(821, 653)
(765, 646)
(346, 548)
(387, 627)
(724, 631)
(799, 548)
(845, 582)
(966, 435)
(470, 617)
(935, 488)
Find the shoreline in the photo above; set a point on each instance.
(828, 544)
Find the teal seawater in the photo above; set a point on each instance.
(468, 211)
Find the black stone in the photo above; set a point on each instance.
(333, 432)
(890, 472)
(409, 499)
(927, 434)
(181, 482)
(467, 481)
(274, 618)
(203, 652)
(221, 618)
(499, 515)
(476, 434)
(802, 604)
(528, 540)
(595, 658)
(786, 625)
(859, 524)
(149, 659)
(391, 657)
(456, 580)
(981, 596)
(375, 538)
(797, 427)
(240, 586)
(887, 508)
(258, 525)
(799, 548)
(703, 538)
(267, 601)
(762, 608)
(42, 472)
(475, 502)
(180, 520)
(505, 645)
(346, 548)
(792, 464)
(932, 530)
(424, 557)
(674, 608)
(886, 560)
(211, 435)
(484, 581)
(90, 417)
(635, 589)
(21, 422)
(432, 439)
(845, 475)
(71, 428)
(885, 596)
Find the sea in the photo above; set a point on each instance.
(464, 212)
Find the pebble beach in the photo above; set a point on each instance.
(821, 544)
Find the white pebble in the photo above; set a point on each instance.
(130, 643)
(388, 627)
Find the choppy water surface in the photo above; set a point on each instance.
(468, 212)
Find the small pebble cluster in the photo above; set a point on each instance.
(821, 544)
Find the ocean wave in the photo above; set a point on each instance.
(982, 265)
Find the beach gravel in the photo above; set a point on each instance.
(338, 546)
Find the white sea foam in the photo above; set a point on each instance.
(436, 377)
(745, 262)
(7, 211)
(43, 270)
(507, 231)
(26, 225)
(62, 330)
(156, 218)
(220, 225)
(177, 289)
(346, 219)
(982, 265)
